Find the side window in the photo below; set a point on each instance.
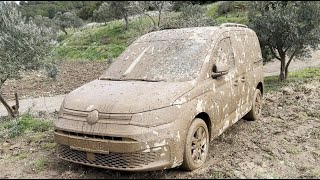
(224, 53)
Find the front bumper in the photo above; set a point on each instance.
(116, 155)
(113, 143)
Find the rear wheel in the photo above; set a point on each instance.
(197, 145)
(255, 112)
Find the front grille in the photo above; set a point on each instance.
(82, 135)
(112, 160)
(103, 117)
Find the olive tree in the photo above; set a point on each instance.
(117, 10)
(67, 20)
(190, 16)
(159, 6)
(23, 46)
(286, 29)
(102, 14)
(45, 22)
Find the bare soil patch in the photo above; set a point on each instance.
(72, 74)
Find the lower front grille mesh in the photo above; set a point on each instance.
(112, 160)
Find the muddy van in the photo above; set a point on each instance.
(163, 100)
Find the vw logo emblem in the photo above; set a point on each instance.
(93, 117)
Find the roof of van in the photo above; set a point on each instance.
(192, 33)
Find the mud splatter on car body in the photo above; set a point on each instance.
(136, 116)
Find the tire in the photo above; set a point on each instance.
(198, 133)
(255, 112)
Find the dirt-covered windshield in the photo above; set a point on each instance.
(173, 60)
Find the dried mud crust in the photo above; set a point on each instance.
(285, 143)
(72, 74)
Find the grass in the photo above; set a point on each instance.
(235, 16)
(49, 145)
(218, 174)
(41, 164)
(18, 157)
(110, 40)
(100, 43)
(272, 83)
(293, 150)
(25, 123)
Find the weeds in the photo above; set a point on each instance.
(41, 164)
(272, 83)
(218, 174)
(26, 122)
(102, 42)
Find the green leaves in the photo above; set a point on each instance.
(286, 25)
(23, 45)
(68, 19)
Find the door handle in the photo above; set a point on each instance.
(236, 83)
(243, 79)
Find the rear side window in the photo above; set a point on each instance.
(224, 52)
(251, 48)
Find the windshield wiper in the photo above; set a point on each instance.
(111, 79)
(147, 80)
(133, 79)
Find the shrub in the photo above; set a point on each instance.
(26, 122)
(190, 16)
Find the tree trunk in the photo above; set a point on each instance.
(283, 65)
(63, 29)
(159, 18)
(286, 72)
(154, 23)
(288, 63)
(127, 22)
(14, 110)
(282, 69)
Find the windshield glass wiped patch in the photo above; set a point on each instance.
(174, 60)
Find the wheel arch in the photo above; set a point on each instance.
(206, 118)
(260, 87)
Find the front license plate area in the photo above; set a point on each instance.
(91, 156)
(89, 146)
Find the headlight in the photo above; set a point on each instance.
(156, 117)
(60, 115)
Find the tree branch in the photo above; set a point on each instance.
(274, 54)
(3, 80)
(291, 57)
(154, 23)
(287, 49)
(16, 107)
(6, 105)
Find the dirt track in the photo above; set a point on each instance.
(273, 67)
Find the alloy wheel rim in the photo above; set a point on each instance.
(199, 145)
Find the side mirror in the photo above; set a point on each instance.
(219, 69)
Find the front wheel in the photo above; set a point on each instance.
(255, 112)
(197, 145)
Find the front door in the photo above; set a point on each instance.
(228, 94)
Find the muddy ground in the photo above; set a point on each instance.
(284, 144)
(72, 74)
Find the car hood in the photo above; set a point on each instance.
(125, 96)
